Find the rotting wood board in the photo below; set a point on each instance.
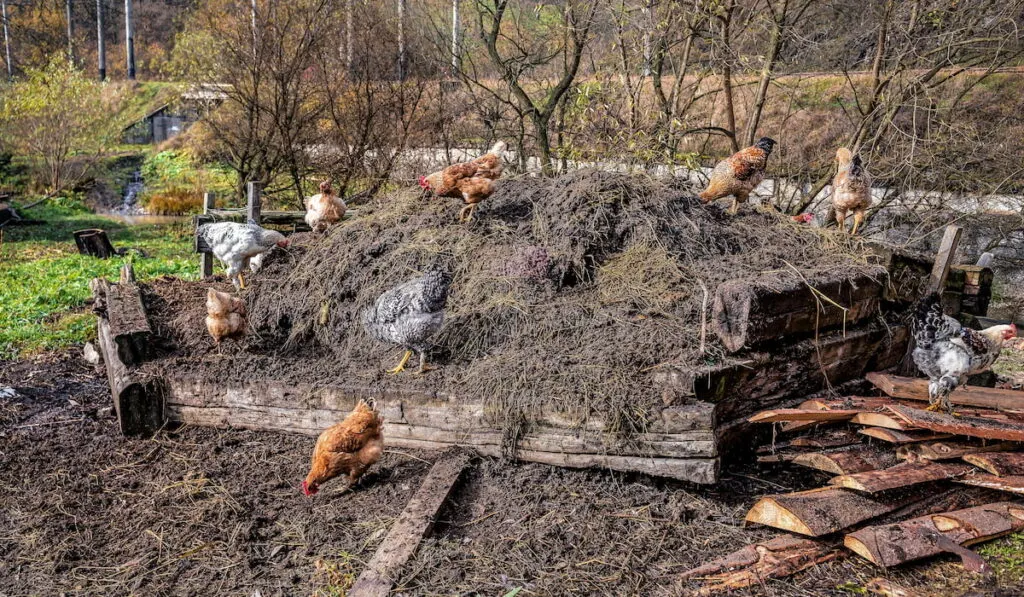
(985, 428)
(818, 512)
(926, 536)
(1009, 484)
(901, 475)
(749, 566)
(1000, 464)
(412, 525)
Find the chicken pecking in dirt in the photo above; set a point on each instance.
(948, 352)
(324, 208)
(410, 314)
(851, 189)
(739, 174)
(225, 316)
(470, 181)
(347, 448)
(235, 244)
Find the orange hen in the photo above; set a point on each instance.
(469, 181)
(225, 316)
(348, 448)
(739, 174)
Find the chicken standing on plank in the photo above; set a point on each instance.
(410, 314)
(235, 244)
(739, 174)
(470, 181)
(348, 448)
(324, 208)
(225, 316)
(851, 189)
(948, 352)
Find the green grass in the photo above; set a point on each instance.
(1006, 555)
(44, 282)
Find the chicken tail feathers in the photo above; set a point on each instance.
(929, 320)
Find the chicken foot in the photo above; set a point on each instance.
(423, 364)
(466, 213)
(241, 281)
(858, 217)
(401, 365)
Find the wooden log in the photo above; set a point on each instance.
(138, 402)
(985, 428)
(846, 462)
(122, 308)
(746, 314)
(896, 437)
(888, 588)
(412, 525)
(94, 242)
(1010, 484)
(901, 475)
(1001, 464)
(825, 510)
(778, 557)
(917, 389)
(945, 450)
(927, 536)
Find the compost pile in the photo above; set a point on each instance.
(567, 293)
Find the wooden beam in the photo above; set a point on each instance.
(847, 462)
(205, 257)
(821, 511)
(985, 428)
(898, 438)
(749, 566)
(931, 535)
(908, 388)
(944, 258)
(1010, 484)
(945, 450)
(901, 475)
(412, 525)
(254, 203)
(1001, 464)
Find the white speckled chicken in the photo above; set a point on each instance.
(948, 353)
(410, 314)
(235, 244)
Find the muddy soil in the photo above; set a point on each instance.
(194, 511)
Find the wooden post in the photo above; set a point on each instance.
(206, 259)
(101, 46)
(129, 39)
(252, 207)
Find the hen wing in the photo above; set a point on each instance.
(475, 189)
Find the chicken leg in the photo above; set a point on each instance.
(466, 213)
(858, 217)
(401, 364)
(241, 281)
(423, 364)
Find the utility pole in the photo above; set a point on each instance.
(455, 37)
(101, 48)
(71, 31)
(7, 40)
(401, 40)
(129, 39)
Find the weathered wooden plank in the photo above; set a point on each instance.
(985, 428)
(798, 414)
(821, 511)
(897, 437)
(917, 389)
(846, 462)
(1010, 484)
(138, 402)
(927, 536)
(1001, 464)
(121, 306)
(745, 314)
(778, 557)
(945, 450)
(944, 258)
(205, 257)
(412, 525)
(883, 420)
(834, 439)
(901, 475)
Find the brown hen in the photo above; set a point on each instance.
(225, 316)
(348, 448)
(469, 181)
(739, 174)
(851, 189)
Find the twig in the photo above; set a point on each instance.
(407, 456)
(50, 423)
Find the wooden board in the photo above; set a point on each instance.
(1009, 484)
(749, 566)
(909, 388)
(833, 439)
(782, 415)
(412, 525)
(945, 450)
(746, 314)
(901, 475)
(139, 403)
(926, 536)
(984, 428)
(821, 511)
(883, 420)
(1001, 464)
(898, 438)
(846, 462)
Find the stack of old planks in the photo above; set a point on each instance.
(904, 482)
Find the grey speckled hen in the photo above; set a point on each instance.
(410, 314)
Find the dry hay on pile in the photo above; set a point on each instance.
(568, 293)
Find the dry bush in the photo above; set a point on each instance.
(174, 201)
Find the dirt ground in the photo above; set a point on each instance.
(197, 511)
